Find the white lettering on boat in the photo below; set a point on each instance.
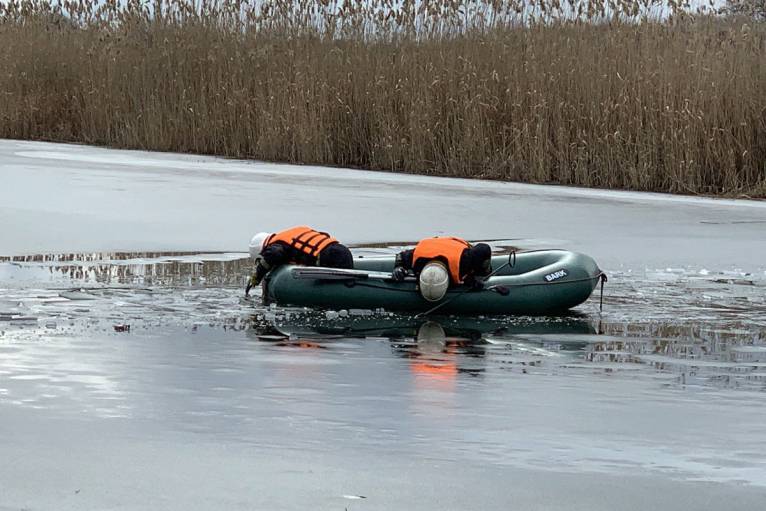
(556, 275)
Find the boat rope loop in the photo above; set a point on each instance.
(604, 279)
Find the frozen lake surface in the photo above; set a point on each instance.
(213, 401)
(65, 199)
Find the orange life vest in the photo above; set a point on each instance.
(446, 249)
(302, 238)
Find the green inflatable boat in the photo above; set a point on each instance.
(533, 282)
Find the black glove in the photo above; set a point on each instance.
(261, 269)
(399, 274)
(476, 284)
(251, 283)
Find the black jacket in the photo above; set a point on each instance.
(470, 265)
(334, 255)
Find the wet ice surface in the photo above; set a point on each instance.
(140, 380)
(351, 403)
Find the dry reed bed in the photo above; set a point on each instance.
(468, 88)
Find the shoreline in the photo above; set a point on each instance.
(211, 163)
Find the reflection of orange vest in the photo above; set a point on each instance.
(302, 238)
(446, 249)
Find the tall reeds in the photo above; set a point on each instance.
(604, 94)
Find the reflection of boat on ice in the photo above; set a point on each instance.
(438, 350)
(402, 327)
(538, 282)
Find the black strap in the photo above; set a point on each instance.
(313, 248)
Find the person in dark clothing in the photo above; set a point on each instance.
(298, 245)
(465, 263)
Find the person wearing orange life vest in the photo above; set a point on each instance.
(440, 263)
(297, 245)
